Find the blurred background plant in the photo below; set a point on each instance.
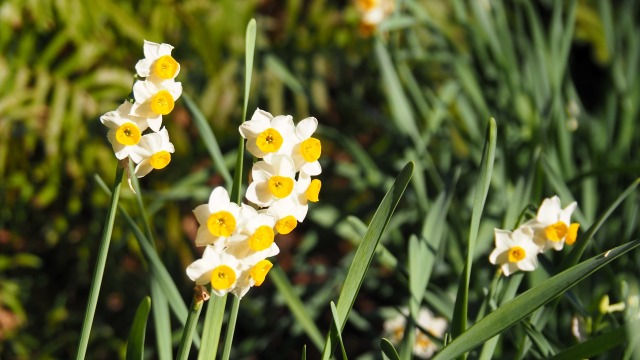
(559, 77)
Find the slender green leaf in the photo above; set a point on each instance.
(388, 349)
(101, 261)
(297, 308)
(338, 329)
(275, 65)
(418, 279)
(517, 309)
(459, 321)
(597, 345)
(212, 327)
(304, 352)
(157, 267)
(231, 328)
(189, 328)
(209, 138)
(135, 344)
(398, 101)
(365, 251)
(538, 339)
(581, 243)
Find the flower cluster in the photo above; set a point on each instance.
(550, 229)
(152, 97)
(423, 347)
(239, 238)
(372, 13)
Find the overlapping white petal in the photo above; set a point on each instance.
(152, 152)
(218, 202)
(115, 120)
(550, 213)
(515, 250)
(152, 52)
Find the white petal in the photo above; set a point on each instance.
(306, 128)
(549, 211)
(200, 271)
(202, 213)
(143, 168)
(312, 168)
(218, 199)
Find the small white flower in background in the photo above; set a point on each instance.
(154, 99)
(125, 131)
(552, 225)
(372, 13)
(515, 250)
(218, 268)
(157, 63)
(271, 181)
(152, 152)
(218, 219)
(267, 135)
(424, 347)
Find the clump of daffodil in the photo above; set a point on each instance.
(240, 238)
(428, 327)
(152, 97)
(550, 229)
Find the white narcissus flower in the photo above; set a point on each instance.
(152, 152)
(125, 130)
(255, 273)
(255, 234)
(306, 153)
(267, 135)
(552, 225)
(271, 181)
(218, 219)
(424, 347)
(287, 213)
(515, 250)
(157, 62)
(218, 268)
(154, 99)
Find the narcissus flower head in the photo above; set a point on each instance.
(216, 267)
(153, 152)
(271, 181)
(552, 225)
(154, 99)
(515, 250)
(218, 219)
(158, 62)
(125, 130)
(268, 135)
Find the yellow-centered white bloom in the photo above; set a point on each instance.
(515, 250)
(158, 62)
(267, 135)
(552, 225)
(125, 130)
(154, 99)
(271, 181)
(428, 326)
(152, 152)
(218, 268)
(254, 234)
(218, 219)
(307, 151)
(372, 13)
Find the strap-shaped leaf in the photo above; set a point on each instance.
(517, 309)
(366, 250)
(135, 345)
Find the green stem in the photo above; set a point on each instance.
(189, 328)
(100, 264)
(231, 327)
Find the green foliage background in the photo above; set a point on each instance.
(560, 78)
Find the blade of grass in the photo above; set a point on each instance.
(231, 327)
(337, 329)
(208, 137)
(189, 328)
(164, 279)
(160, 308)
(459, 321)
(296, 306)
(388, 350)
(101, 260)
(135, 344)
(366, 250)
(596, 345)
(212, 327)
(517, 309)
